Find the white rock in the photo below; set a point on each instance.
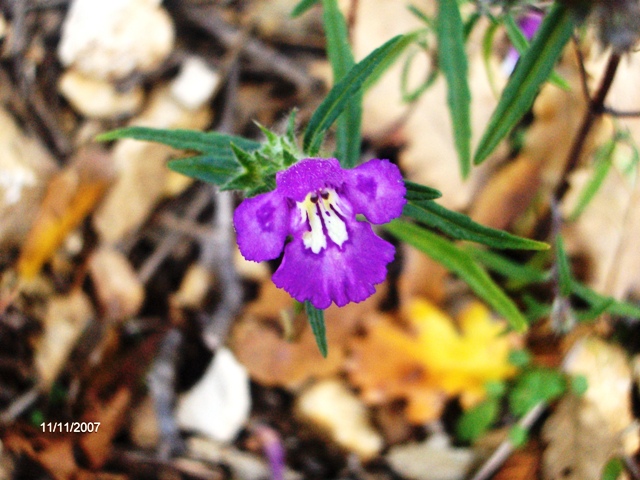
(96, 98)
(110, 40)
(332, 406)
(195, 84)
(218, 405)
(434, 459)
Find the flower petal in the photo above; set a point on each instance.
(339, 275)
(376, 189)
(307, 176)
(262, 225)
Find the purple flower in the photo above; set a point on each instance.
(331, 257)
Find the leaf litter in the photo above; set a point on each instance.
(103, 238)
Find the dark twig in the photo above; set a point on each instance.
(594, 111)
(164, 249)
(261, 55)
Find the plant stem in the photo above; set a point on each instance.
(595, 109)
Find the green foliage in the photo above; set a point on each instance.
(316, 320)
(530, 73)
(613, 469)
(348, 135)
(342, 93)
(477, 420)
(462, 264)
(518, 435)
(461, 227)
(521, 44)
(519, 358)
(452, 60)
(579, 385)
(229, 161)
(536, 385)
(302, 7)
(418, 192)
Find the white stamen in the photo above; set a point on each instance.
(322, 211)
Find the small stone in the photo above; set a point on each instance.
(334, 407)
(434, 459)
(111, 40)
(96, 98)
(195, 84)
(25, 170)
(219, 404)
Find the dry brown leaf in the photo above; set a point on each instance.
(71, 195)
(271, 360)
(64, 321)
(431, 360)
(118, 288)
(585, 432)
(111, 415)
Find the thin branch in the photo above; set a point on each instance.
(505, 449)
(594, 111)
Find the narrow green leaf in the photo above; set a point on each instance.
(622, 309)
(217, 144)
(316, 320)
(341, 94)
(487, 54)
(210, 169)
(522, 274)
(601, 166)
(461, 263)
(348, 134)
(302, 7)
(452, 60)
(392, 57)
(530, 73)
(461, 227)
(415, 191)
(412, 95)
(520, 43)
(564, 268)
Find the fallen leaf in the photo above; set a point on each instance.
(587, 431)
(260, 345)
(71, 195)
(430, 360)
(118, 288)
(65, 319)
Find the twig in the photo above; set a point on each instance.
(166, 246)
(218, 249)
(162, 383)
(594, 111)
(259, 54)
(505, 449)
(19, 405)
(219, 253)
